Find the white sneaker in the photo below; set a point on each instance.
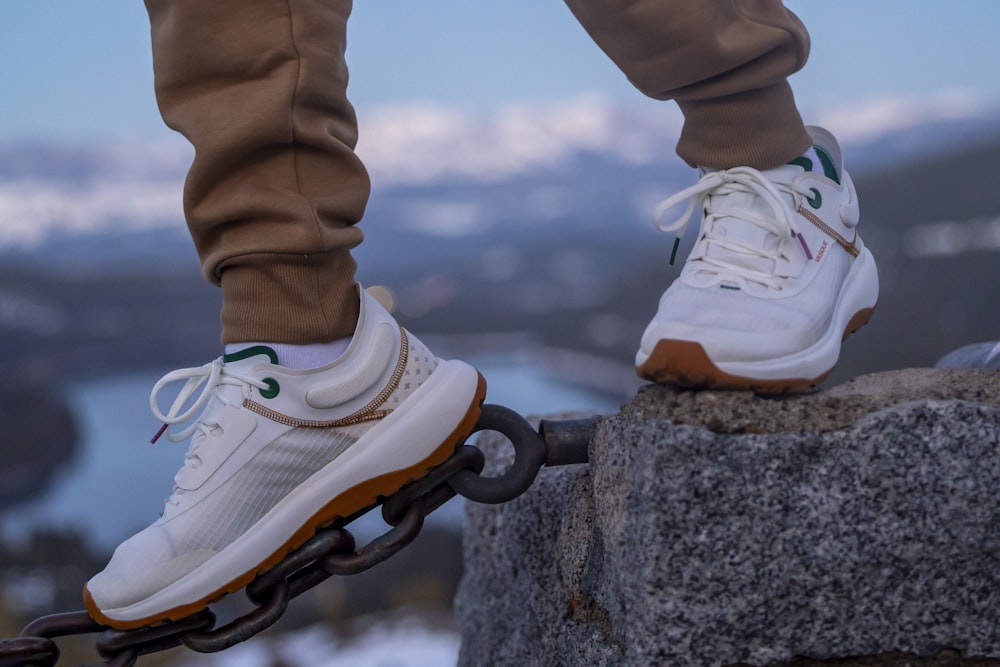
(776, 280)
(277, 453)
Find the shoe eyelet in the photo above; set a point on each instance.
(272, 388)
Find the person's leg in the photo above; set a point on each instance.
(778, 275)
(724, 62)
(260, 90)
(322, 403)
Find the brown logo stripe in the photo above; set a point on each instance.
(851, 247)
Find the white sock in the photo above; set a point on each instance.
(300, 357)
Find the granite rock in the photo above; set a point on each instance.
(715, 528)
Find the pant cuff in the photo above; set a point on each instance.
(758, 128)
(285, 298)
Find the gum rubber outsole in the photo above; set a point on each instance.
(349, 503)
(686, 364)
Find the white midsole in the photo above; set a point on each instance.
(860, 291)
(404, 438)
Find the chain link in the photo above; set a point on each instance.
(28, 651)
(330, 552)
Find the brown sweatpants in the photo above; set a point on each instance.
(259, 88)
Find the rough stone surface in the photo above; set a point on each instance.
(856, 521)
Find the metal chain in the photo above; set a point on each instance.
(330, 552)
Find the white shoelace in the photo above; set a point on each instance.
(208, 378)
(730, 181)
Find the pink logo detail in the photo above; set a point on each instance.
(822, 251)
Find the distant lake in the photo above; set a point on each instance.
(117, 482)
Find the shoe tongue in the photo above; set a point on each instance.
(786, 173)
(744, 233)
(740, 232)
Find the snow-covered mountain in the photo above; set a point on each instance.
(441, 172)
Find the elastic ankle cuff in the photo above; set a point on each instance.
(282, 298)
(759, 128)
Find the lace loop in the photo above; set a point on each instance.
(777, 217)
(208, 379)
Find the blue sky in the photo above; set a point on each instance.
(81, 69)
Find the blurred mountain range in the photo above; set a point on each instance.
(532, 226)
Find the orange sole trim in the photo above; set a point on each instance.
(686, 364)
(352, 501)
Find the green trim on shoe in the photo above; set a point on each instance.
(802, 161)
(829, 169)
(251, 352)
